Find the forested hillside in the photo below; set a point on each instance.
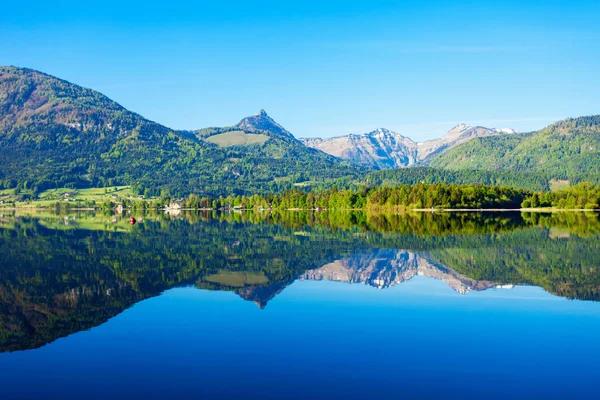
(57, 134)
(568, 149)
(411, 176)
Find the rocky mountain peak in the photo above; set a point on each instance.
(459, 129)
(476, 131)
(383, 148)
(461, 133)
(262, 123)
(380, 148)
(383, 132)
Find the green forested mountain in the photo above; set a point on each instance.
(57, 134)
(568, 149)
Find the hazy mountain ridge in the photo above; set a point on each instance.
(384, 149)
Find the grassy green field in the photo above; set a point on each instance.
(238, 279)
(96, 194)
(75, 197)
(556, 185)
(237, 138)
(9, 196)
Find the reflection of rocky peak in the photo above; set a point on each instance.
(456, 281)
(380, 268)
(261, 295)
(384, 268)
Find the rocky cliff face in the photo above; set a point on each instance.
(384, 268)
(383, 149)
(380, 149)
(261, 123)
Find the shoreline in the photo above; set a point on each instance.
(429, 210)
(47, 208)
(546, 210)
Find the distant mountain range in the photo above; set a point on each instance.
(57, 134)
(382, 148)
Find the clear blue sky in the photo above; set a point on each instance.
(321, 68)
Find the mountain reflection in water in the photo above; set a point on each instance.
(382, 268)
(61, 274)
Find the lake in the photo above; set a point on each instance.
(299, 305)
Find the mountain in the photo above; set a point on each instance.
(384, 149)
(459, 134)
(380, 149)
(566, 149)
(57, 134)
(250, 130)
(261, 122)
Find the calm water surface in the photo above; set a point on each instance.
(300, 306)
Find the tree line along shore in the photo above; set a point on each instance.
(422, 196)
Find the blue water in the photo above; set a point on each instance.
(320, 339)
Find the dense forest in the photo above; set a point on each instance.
(403, 196)
(518, 180)
(582, 196)
(422, 196)
(417, 196)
